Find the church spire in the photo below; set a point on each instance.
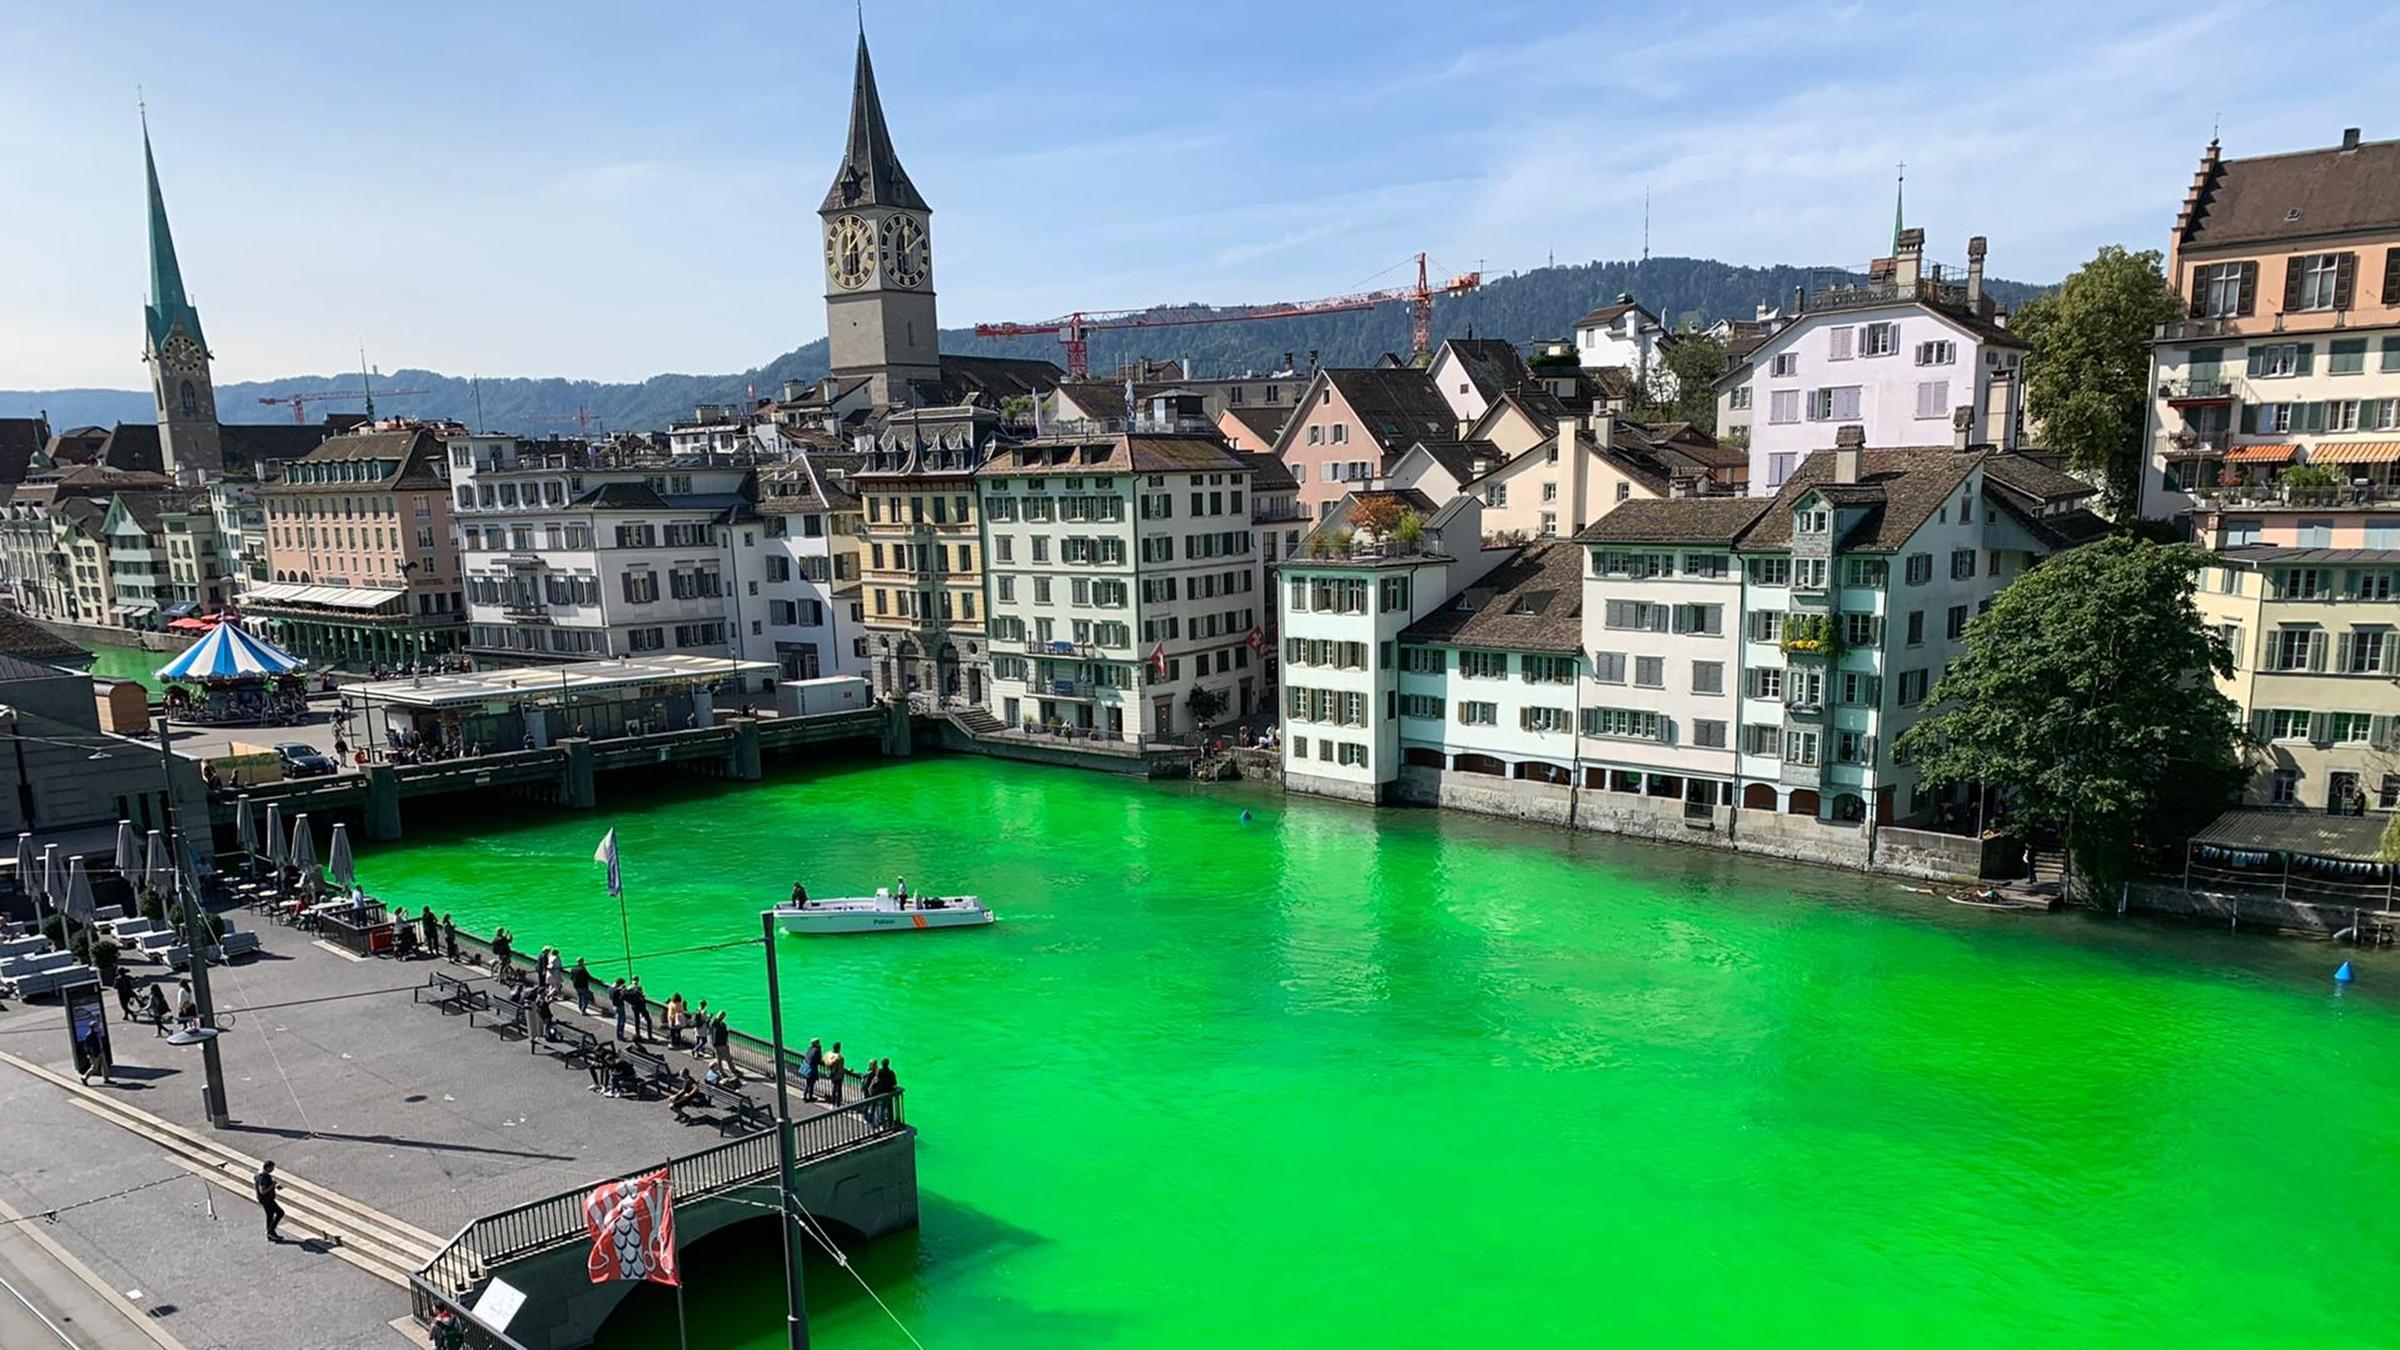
(1899, 200)
(870, 174)
(168, 306)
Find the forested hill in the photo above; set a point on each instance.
(1536, 304)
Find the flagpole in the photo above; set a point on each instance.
(682, 1341)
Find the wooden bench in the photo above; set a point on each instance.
(515, 1014)
(734, 1107)
(579, 1044)
(648, 1065)
(455, 995)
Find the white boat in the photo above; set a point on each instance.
(882, 912)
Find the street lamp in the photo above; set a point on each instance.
(795, 1285)
(195, 940)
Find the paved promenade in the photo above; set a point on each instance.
(338, 1076)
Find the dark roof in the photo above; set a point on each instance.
(870, 174)
(1493, 366)
(1610, 313)
(1911, 485)
(816, 481)
(1264, 421)
(1465, 461)
(1115, 453)
(20, 636)
(2305, 193)
(21, 438)
(1532, 602)
(997, 377)
(1397, 407)
(2034, 480)
(134, 446)
(1267, 473)
(1986, 327)
(1683, 520)
(412, 452)
(249, 445)
(2293, 831)
(143, 507)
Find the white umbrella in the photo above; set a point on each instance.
(242, 830)
(304, 849)
(24, 864)
(54, 877)
(154, 865)
(337, 857)
(129, 853)
(275, 853)
(80, 906)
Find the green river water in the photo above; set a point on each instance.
(1350, 1077)
(133, 663)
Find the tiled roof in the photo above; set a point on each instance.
(1267, 473)
(134, 446)
(1913, 483)
(1397, 407)
(1493, 366)
(1116, 453)
(622, 497)
(20, 636)
(2035, 480)
(2307, 193)
(249, 445)
(411, 451)
(21, 438)
(997, 377)
(1533, 602)
(1265, 421)
(1465, 461)
(1683, 520)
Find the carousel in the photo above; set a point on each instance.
(232, 678)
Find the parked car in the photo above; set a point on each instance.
(306, 761)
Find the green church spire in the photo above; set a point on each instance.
(1899, 217)
(168, 308)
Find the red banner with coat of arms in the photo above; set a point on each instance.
(632, 1223)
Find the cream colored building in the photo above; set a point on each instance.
(2315, 634)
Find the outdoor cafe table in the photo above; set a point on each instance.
(364, 930)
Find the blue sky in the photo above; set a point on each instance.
(610, 190)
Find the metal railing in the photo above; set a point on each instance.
(2196, 389)
(557, 1220)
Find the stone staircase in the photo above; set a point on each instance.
(977, 722)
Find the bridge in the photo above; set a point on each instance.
(567, 771)
(855, 1178)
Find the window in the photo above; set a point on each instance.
(1808, 574)
(1543, 719)
(1608, 667)
(1621, 723)
(1708, 735)
(1800, 747)
(1837, 343)
(1962, 564)
(1766, 625)
(2346, 356)
(2284, 724)
(1478, 714)
(1704, 620)
(1941, 353)
(1760, 739)
(2294, 648)
(1352, 753)
(1479, 665)
(1920, 568)
(2284, 789)
(1429, 706)
(1650, 672)
(1784, 366)
(1740, 397)
(2318, 281)
(1865, 573)
(1912, 688)
(1956, 625)
(1770, 571)
(1933, 398)
(1765, 681)
(2224, 290)
(1833, 403)
(1861, 630)
(1708, 677)
(2387, 797)
(1878, 339)
(2279, 359)
(1779, 466)
(1861, 691)
(1549, 669)
(2352, 728)
(1783, 405)
(1421, 660)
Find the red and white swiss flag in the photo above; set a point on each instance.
(632, 1223)
(1257, 639)
(1158, 660)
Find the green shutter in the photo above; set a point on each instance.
(2258, 361)
(2249, 303)
(2305, 357)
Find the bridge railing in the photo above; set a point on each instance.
(557, 1220)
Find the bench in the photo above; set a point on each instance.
(454, 995)
(517, 1014)
(580, 1044)
(734, 1107)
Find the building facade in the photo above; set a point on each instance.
(921, 574)
(364, 566)
(806, 582)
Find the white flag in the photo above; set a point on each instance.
(608, 855)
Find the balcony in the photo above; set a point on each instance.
(2196, 445)
(1068, 689)
(2183, 393)
(1060, 647)
(1812, 635)
(1870, 294)
(2362, 494)
(2189, 330)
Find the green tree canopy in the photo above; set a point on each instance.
(2087, 381)
(2086, 693)
(1694, 361)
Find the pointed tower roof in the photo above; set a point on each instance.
(870, 174)
(167, 308)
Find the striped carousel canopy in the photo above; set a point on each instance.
(228, 653)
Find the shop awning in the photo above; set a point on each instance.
(2354, 452)
(363, 598)
(2261, 454)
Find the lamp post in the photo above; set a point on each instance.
(795, 1285)
(195, 940)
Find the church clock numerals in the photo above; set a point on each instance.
(850, 252)
(904, 250)
(182, 354)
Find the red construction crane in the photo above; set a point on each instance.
(299, 402)
(1075, 330)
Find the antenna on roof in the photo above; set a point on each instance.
(2216, 124)
(1645, 224)
(1899, 196)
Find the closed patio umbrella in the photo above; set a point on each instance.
(242, 831)
(54, 877)
(304, 850)
(80, 906)
(24, 863)
(129, 851)
(275, 853)
(155, 874)
(337, 857)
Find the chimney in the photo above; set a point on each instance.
(1849, 450)
(2349, 138)
(1908, 262)
(1962, 426)
(1799, 301)
(1975, 248)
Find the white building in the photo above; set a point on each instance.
(1122, 576)
(1898, 355)
(801, 596)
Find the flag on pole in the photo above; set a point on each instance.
(1158, 660)
(1129, 414)
(1257, 641)
(632, 1223)
(608, 855)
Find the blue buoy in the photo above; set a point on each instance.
(1246, 820)
(2343, 975)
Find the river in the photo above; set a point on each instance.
(1334, 1076)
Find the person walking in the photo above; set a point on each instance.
(720, 1040)
(124, 985)
(833, 1071)
(812, 1065)
(432, 929)
(581, 978)
(267, 1187)
(158, 1011)
(93, 1051)
(701, 1031)
(642, 1029)
(450, 936)
(675, 1011)
(616, 1002)
(446, 1333)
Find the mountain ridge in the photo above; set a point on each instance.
(1522, 307)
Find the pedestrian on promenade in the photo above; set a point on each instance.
(616, 1001)
(721, 1041)
(812, 1065)
(433, 932)
(446, 1333)
(125, 992)
(158, 1011)
(675, 1011)
(450, 936)
(701, 1031)
(93, 1053)
(687, 1095)
(642, 1030)
(833, 1070)
(884, 1086)
(266, 1186)
(542, 1019)
(582, 980)
(503, 946)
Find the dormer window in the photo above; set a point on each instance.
(1812, 520)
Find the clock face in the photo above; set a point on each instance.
(181, 353)
(905, 251)
(850, 252)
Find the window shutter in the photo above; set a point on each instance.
(2391, 276)
(1867, 750)
(2320, 728)
(2379, 732)
(2199, 305)
(2390, 664)
(2260, 725)
(2316, 650)
(2304, 357)
(1658, 618)
(2341, 653)
(2258, 361)
(2291, 283)
(1666, 731)
(2249, 302)
(2345, 279)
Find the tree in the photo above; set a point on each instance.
(2087, 380)
(2086, 694)
(1376, 515)
(1678, 388)
(1207, 704)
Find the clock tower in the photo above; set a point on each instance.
(879, 316)
(176, 352)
